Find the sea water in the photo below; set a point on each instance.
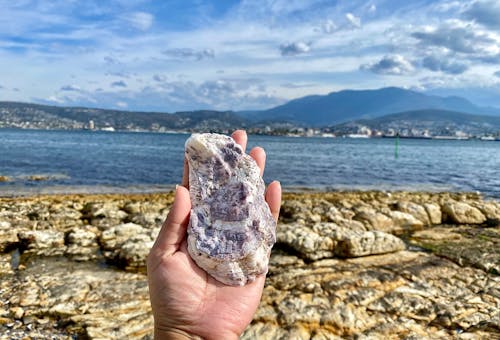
(128, 162)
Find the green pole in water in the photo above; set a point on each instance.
(397, 147)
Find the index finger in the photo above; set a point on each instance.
(240, 137)
(273, 198)
(173, 230)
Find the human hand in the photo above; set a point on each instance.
(186, 301)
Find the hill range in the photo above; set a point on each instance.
(439, 122)
(379, 109)
(14, 114)
(348, 105)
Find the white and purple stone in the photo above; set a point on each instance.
(231, 230)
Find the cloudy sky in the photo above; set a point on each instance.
(170, 55)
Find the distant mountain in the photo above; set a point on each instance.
(14, 114)
(382, 109)
(348, 105)
(436, 122)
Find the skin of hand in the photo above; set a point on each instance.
(186, 301)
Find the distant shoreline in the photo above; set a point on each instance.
(291, 135)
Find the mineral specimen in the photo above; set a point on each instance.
(231, 230)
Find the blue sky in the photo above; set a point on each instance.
(237, 55)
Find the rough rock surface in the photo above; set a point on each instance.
(368, 243)
(89, 283)
(463, 213)
(231, 230)
(323, 240)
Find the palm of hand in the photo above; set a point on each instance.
(189, 297)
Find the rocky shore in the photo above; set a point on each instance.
(358, 265)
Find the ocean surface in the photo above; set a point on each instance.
(86, 161)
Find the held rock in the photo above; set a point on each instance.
(231, 229)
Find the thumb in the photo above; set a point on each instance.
(174, 228)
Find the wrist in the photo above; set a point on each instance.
(174, 334)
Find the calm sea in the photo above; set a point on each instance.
(128, 162)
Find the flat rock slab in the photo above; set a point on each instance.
(55, 298)
(450, 291)
(465, 245)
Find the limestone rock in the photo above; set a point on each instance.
(374, 219)
(114, 237)
(5, 266)
(405, 221)
(490, 209)
(133, 252)
(127, 245)
(450, 290)
(96, 302)
(82, 243)
(231, 229)
(465, 245)
(306, 241)
(8, 235)
(434, 212)
(104, 214)
(326, 240)
(463, 213)
(368, 243)
(147, 219)
(46, 242)
(416, 210)
(264, 331)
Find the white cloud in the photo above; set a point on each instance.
(55, 99)
(393, 65)
(296, 86)
(458, 36)
(140, 20)
(220, 94)
(328, 26)
(276, 8)
(353, 20)
(295, 48)
(126, 41)
(27, 19)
